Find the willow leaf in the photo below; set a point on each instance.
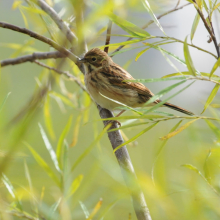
(43, 164)
(214, 68)
(178, 130)
(128, 26)
(188, 59)
(194, 26)
(211, 97)
(147, 6)
(49, 148)
(136, 136)
(61, 139)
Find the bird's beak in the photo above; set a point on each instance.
(82, 60)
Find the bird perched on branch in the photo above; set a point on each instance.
(106, 83)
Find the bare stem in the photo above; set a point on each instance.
(65, 73)
(208, 28)
(59, 22)
(108, 36)
(32, 58)
(41, 38)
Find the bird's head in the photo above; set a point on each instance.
(96, 58)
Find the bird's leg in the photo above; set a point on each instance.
(112, 121)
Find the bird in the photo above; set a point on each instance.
(107, 85)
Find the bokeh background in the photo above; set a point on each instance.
(178, 193)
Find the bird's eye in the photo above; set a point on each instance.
(93, 59)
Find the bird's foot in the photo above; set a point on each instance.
(112, 122)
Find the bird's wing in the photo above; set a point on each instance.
(116, 75)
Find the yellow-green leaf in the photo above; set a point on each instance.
(43, 164)
(188, 59)
(178, 130)
(194, 26)
(147, 6)
(61, 139)
(214, 68)
(136, 136)
(128, 26)
(211, 97)
(75, 184)
(88, 149)
(47, 117)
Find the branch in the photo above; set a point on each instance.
(66, 73)
(209, 29)
(59, 22)
(127, 169)
(151, 22)
(32, 58)
(46, 40)
(108, 36)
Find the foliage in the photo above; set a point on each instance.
(79, 179)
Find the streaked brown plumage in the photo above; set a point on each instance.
(106, 77)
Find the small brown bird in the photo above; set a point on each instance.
(105, 78)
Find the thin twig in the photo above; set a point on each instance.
(108, 36)
(151, 22)
(180, 41)
(59, 22)
(32, 58)
(208, 28)
(66, 73)
(46, 40)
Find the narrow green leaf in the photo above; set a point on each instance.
(53, 209)
(4, 101)
(214, 68)
(147, 6)
(63, 98)
(43, 164)
(125, 43)
(178, 130)
(128, 26)
(188, 74)
(134, 110)
(128, 126)
(47, 117)
(75, 185)
(135, 137)
(49, 148)
(188, 59)
(133, 117)
(191, 167)
(24, 18)
(206, 167)
(195, 169)
(61, 139)
(211, 97)
(85, 210)
(162, 102)
(161, 148)
(142, 52)
(163, 92)
(157, 79)
(8, 185)
(76, 131)
(88, 149)
(194, 26)
(215, 129)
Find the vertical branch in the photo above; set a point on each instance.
(208, 28)
(124, 160)
(108, 36)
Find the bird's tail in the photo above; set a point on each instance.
(177, 108)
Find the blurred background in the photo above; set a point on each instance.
(178, 192)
